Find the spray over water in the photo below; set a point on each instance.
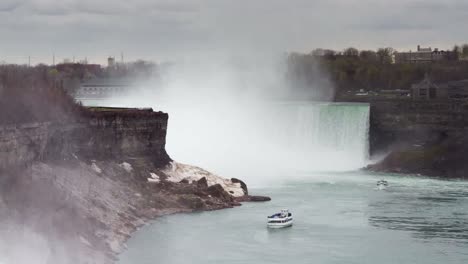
(236, 118)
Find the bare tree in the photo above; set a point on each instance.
(464, 51)
(385, 55)
(351, 52)
(368, 55)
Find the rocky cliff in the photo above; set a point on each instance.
(425, 137)
(104, 133)
(73, 192)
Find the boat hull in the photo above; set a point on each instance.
(381, 187)
(279, 225)
(280, 222)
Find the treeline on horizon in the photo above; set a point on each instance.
(32, 94)
(40, 93)
(353, 69)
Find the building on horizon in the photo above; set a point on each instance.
(104, 87)
(111, 62)
(425, 55)
(427, 90)
(77, 67)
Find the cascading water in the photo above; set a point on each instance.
(260, 141)
(325, 136)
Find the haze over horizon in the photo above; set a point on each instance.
(172, 29)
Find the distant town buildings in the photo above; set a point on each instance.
(425, 90)
(94, 69)
(84, 80)
(424, 55)
(456, 89)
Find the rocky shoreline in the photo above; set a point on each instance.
(441, 158)
(78, 212)
(75, 192)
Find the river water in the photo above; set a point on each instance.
(338, 218)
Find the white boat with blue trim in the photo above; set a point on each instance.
(280, 220)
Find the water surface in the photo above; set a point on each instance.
(339, 218)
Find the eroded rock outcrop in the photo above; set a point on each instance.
(446, 158)
(177, 172)
(103, 134)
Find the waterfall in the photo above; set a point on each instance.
(324, 136)
(267, 139)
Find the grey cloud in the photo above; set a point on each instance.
(168, 28)
(9, 5)
(438, 6)
(392, 24)
(105, 7)
(174, 7)
(428, 15)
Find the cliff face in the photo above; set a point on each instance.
(74, 192)
(426, 137)
(103, 134)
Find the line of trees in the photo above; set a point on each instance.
(353, 69)
(462, 50)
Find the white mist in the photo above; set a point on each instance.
(228, 116)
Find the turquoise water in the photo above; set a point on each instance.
(339, 218)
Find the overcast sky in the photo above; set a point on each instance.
(167, 29)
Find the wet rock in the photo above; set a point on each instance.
(202, 183)
(192, 202)
(438, 159)
(235, 203)
(243, 185)
(259, 198)
(253, 198)
(218, 191)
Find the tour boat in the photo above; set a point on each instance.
(382, 184)
(281, 219)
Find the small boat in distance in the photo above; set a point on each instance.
(382, 184)
(280, 220)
